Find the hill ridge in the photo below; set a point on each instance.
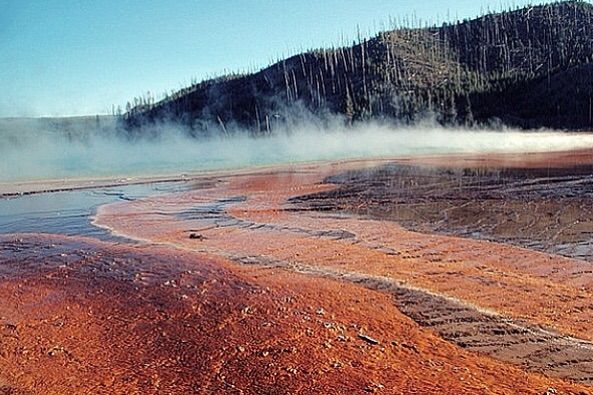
(493, 67)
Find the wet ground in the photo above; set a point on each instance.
(546, 209)
(295, 281)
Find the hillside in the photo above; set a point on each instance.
(529, 67)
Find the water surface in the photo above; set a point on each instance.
(70, 212)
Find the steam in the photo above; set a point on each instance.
(32, 151)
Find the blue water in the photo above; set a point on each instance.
(70, 212)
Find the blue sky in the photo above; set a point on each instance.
(76, 57)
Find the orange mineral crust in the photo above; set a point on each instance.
(546, 159)
(523, 307)
(81, 316)
(248, 216)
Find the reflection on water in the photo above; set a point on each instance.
(70, 212)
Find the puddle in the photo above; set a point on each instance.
(70, 212)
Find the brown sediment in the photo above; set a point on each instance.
(548, 209)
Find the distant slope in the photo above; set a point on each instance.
(529, 68)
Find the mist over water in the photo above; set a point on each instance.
(39, 154)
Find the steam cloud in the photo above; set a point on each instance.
(33, 152)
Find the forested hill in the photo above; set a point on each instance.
(529, 67)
